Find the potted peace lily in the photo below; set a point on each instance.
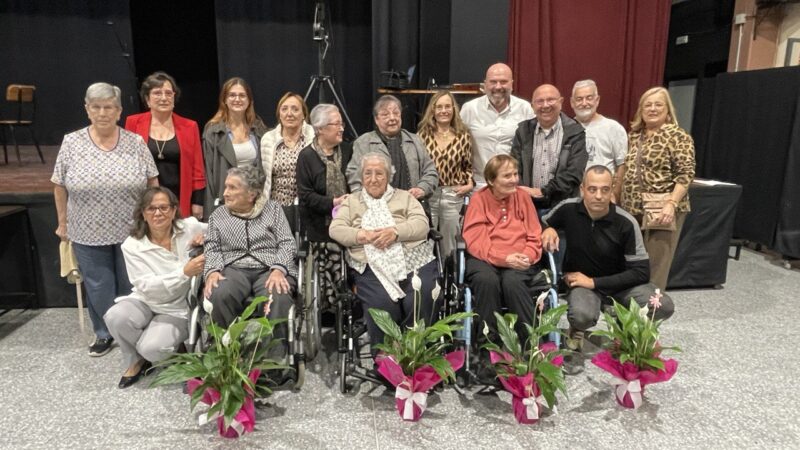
(225, 375)
(531, 371)
(414, 360)
(633, 351)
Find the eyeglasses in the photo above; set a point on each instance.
(235, 95)
(163, 208)
(546, 101)
(160, 93)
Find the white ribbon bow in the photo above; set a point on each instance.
(531, 411)
(205, 418)
(420, 398)
(633, 387)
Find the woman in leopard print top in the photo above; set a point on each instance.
(660, 159)
(449, 144)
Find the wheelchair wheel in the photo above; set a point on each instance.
(343, 374)
(301, 375)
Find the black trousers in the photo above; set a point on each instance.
(241, 284)
(372, 294)
(494, 288)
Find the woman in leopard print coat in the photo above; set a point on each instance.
(660, 159)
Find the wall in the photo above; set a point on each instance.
(478, 38)
(790, 28)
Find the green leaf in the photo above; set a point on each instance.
(384, 321)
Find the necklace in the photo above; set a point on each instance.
(443, 134)
(160, 145)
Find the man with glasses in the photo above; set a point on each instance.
(414, 170)
(606, 139)
(551, 150)
(493, 118)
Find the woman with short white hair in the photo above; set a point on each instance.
(100, 172)
(385, 231)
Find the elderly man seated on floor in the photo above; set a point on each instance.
(250, 252)
(605, 255)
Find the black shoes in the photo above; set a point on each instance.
(125, 382)
(101, 346)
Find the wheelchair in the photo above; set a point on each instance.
(459, 298)
(298, 330)
(351, 325)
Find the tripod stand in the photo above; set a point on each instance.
(320, 80)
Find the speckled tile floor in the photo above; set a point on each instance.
(733, 390)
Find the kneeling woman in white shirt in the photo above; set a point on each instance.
(152, 322)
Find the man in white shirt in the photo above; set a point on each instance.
(606, 139)
(493, 118)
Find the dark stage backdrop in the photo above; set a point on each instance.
(752, 123)
(63, 47)
(621, 44)
(270, 45)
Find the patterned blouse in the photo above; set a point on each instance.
(284, 183)
(454, 162)
(667, 158)
(103, 187)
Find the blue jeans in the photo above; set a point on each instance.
(103, 271)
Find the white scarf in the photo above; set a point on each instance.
(389, 264)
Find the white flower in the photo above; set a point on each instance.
(540, 300)
(485, 328)
(416, 282)
(226, 339)
(644, 312)
(207, 306)
(436, 291)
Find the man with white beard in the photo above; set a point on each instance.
(606, 139)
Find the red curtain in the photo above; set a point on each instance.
(620, 44)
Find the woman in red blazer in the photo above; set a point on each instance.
(174, 142)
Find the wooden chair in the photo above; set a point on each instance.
(24, 98)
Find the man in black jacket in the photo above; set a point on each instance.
(605, 254)
(551, 150)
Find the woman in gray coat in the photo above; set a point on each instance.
(230, 139)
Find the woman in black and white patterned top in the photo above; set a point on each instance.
(249, 250)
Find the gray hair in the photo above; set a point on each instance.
(383, 102)
(103, 91)
(387, 163)
(583, 84)
(319, 117)
(251, 176)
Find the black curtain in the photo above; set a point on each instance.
(753, 139)
(270, 44)
(63, 47)
(185, 49)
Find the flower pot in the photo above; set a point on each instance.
(411, 394)
(243, 422)
(629, 380)
(526, 401)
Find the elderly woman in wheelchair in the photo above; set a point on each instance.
(503, 238)
(385, 232)
(250, 252)
(152, 321)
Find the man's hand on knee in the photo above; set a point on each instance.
(577, 279)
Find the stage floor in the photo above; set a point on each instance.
(31, 175)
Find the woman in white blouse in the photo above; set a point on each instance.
(152, 322)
